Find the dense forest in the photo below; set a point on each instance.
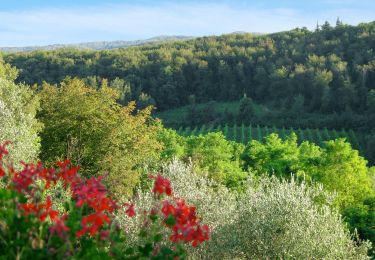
(100, 45)
(299, 78)
(330, 70)
(270, 159)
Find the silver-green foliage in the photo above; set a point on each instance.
(278, 219)
(215, 204)
(273, 219)
(18, 107)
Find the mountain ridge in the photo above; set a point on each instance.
(98, 45)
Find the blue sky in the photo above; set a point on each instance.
(37, 22)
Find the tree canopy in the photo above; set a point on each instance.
(89, 128)
(18, 108)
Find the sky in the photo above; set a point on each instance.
(37, 22)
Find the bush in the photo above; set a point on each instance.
(337, 166)
(210, 154)
(18, 107)
(278, 219)
(34, 226)
(214, 203)
(272, 219)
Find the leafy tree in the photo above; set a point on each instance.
(298, 105)
(89, 128)
(277, 219)
(214, 155)
(337, 166)
(18, 107)
(173, 144)
(123, 88)
(274, 156)
(343, 170)
(246, 110)
(145, 100)
(332, 68)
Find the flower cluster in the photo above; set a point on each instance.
(90, 193)
(161, 185)
(91, 207)
(179, 217)
(93, 194)
(183, 222)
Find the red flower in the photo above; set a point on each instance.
(180, 218)
(92, 223)
(28, 208)
(3, 149)
(59, 228)
(104, 234)
(93, 193)
(162, 185)
(200, 235)
(41, 210)
(167, 209)
(184, 226)
(48, 211)
(68, 174)
(2, 171)
(130, 210)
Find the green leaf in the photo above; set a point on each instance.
(153, 217)
(158, 238)
(170, 221)
(129, 251)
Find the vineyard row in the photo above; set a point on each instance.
(244, 134)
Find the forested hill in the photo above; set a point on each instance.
(99, 45)
(330, 69)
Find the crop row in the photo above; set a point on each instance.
(244, 134)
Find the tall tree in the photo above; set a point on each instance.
(18, 107)
(89, 128)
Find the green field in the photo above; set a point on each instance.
(245, 133)
(177, 116)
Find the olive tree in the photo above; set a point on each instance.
(18, 108)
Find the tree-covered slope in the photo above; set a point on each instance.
(99, 45)
(332, 68)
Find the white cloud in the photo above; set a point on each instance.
(127, 22)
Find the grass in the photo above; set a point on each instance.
(177, 116)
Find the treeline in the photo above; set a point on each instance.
(244, 134)
(331, 69)
(99, 45)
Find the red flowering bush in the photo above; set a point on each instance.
(179, 217)
(31, 225)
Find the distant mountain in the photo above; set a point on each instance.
(99, 45)
(243, 32)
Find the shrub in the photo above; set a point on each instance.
(337, 166)
(32, 225)
(214, 203)
(279, 219)
(272, 219)
(18, 107)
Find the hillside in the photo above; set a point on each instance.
(99, 45)
(300, 78)
(330, 70)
